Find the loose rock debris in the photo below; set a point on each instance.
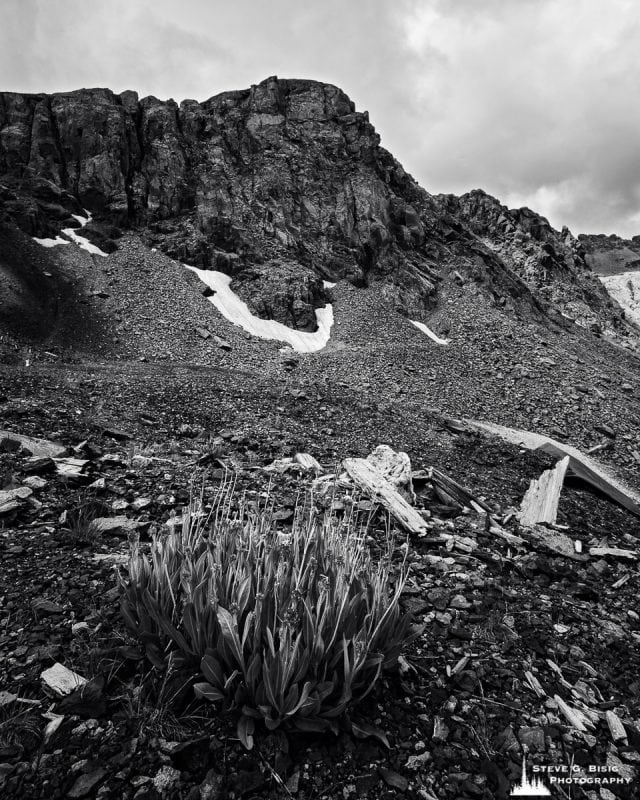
(61, 680)
(461, 558)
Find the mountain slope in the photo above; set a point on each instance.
(285, 178)
(281, 196)
(285, 188)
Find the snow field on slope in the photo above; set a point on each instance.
(81, 241)
(625, 288)
(236, 311)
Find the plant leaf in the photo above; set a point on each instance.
(272, 723)
(266, 679)
(212, 670)
(362, 730)
(206, 691)
(229, 629)
(231, 679)
(245, 729)
(313, 725)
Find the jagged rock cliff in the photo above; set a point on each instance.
(284, 170)
(552, 264)
(280, 185)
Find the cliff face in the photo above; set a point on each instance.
(280, 185)
(284, 169)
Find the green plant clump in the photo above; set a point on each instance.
(287, 628)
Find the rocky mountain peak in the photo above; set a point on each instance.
(281, 179)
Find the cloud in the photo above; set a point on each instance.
(534, 101)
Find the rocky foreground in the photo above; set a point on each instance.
(513, 631)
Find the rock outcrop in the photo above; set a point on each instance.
(553, 264)
(284, 171)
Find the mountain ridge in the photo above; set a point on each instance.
(288, 172)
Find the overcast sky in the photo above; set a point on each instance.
(535, 101)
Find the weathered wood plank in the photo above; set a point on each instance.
(540, 503)
(42, 448)
(394, 467)
(367, 477)
(615, 552)
(580, 465)
(455, 490)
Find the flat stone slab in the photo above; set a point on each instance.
(62, 680)
(107, 524)
(41, 448)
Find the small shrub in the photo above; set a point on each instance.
(289, 629)
(80, 518)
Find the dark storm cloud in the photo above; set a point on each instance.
(535, 101)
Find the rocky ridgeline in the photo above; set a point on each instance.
(286, 169)
(280, 185)
(552, 264)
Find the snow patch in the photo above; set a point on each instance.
(422, 327)
(82, 220)
(84, 243)
(236, 311)
(329, 285)
(625, 288)
(51, 242)
(81, 241)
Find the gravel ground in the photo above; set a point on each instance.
(461, 714)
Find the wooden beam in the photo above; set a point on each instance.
(580, 465)
(540, 503)
(394, 467)
(37, 447)
(455, 490)
(367, 477)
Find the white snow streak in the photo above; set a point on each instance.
(51, 242)
(421, 326)
(236, 311)
(81, 241)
